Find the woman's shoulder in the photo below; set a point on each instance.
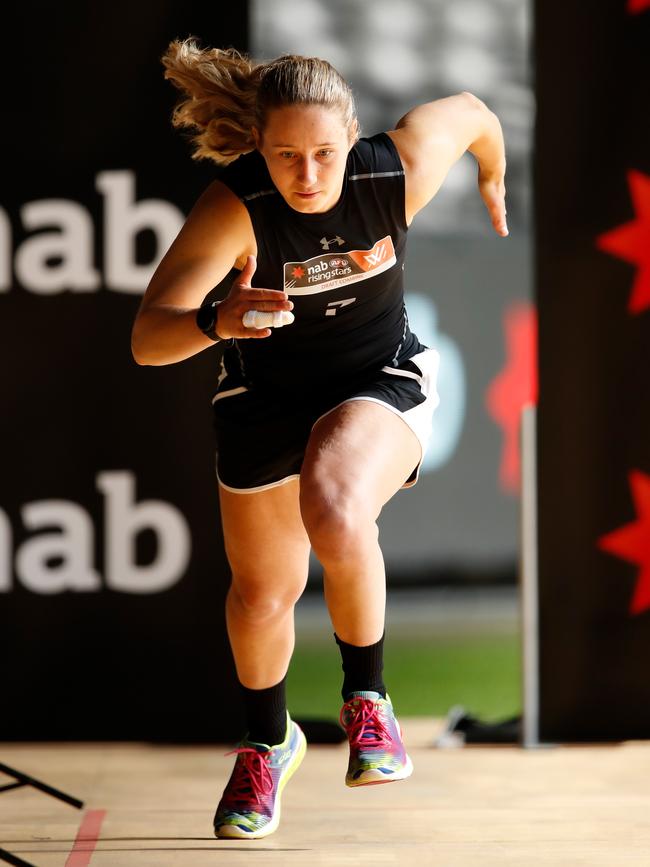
(247, 176)
(375, 154)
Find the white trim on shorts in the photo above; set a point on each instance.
(229, 393)
(408, 373)
(259, 487)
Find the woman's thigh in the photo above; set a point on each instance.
(265, 539)
(360, 452)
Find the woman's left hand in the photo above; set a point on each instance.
(493, 192)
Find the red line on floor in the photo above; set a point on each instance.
(87, 837)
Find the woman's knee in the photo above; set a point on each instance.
(337, 521)
(259, 602)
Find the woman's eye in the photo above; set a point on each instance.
(325, 153)
(287, 155)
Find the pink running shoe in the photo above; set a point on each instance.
(377, 754)
(250, 805)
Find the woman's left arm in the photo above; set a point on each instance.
(433, 136)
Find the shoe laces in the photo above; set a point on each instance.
(362, 720)
(252, 778)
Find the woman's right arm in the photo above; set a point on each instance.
(216, 237)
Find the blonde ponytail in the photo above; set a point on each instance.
(226, 94)
(220, 96)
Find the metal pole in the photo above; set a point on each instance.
(528, 578)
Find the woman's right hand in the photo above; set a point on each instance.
(241, 298)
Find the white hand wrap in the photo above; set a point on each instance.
(261, 319)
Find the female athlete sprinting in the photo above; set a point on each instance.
(321, 421)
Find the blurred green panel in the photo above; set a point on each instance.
(424, 676)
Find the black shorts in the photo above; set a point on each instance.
(262, 437)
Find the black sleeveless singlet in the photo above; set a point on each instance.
(343, 271)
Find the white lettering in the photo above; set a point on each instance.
(73, 545)
(124, 520)
(62, 559)
(123, 219)
(73, 245)
(318, 267)
(5, 553)
(63, 260)
(328, 275)
(5, 252)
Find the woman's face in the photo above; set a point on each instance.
(305, 148)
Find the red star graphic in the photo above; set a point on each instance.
(514, 387)
(637, 6)
(298, 272)
(631, 241)
(632, 541)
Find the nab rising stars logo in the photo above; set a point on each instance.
(323, 272)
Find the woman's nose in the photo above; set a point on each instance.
(307, 172)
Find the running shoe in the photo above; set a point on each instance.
(377, 754)
(250, 805)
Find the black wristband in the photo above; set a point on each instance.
(206, 320)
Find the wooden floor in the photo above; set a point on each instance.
(472, 806)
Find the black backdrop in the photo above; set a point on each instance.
(94, 645)
(593, 89)
(111, 613)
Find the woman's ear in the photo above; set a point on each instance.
(355, 131)
(257, 138)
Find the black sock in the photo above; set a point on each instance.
(362, 667)
(266, 713)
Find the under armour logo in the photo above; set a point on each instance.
(326, 242)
